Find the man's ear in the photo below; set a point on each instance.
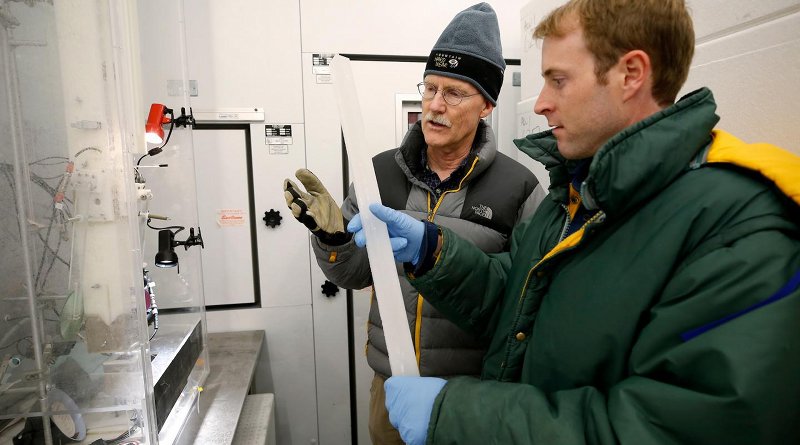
(636, 68)
(487, 109)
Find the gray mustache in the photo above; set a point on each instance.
(439, 119)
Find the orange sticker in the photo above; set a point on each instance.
(231, 217)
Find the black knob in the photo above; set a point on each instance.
(272, 218)
(329, 289)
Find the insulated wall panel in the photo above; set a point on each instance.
(753, 74)
(246, 53)
(407, 28)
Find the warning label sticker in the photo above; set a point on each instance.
(231, 217)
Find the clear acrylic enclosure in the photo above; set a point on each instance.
(84, 352)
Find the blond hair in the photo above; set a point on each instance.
(661, 28)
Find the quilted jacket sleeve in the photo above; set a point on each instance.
(466, 284)
(346, 265)
(707, 389)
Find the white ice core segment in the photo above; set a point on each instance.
(384, 272)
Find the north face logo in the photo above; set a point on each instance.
(483, 211)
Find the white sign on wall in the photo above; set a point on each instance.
(231, 217)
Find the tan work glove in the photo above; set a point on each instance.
(315, 208)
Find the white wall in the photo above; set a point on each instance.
(408, 28)
(246, 53)
(749, 55)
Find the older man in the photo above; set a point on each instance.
(447, 170)
(654, 297)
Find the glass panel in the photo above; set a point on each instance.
(75, 308)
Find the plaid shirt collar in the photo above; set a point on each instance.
(431, 179)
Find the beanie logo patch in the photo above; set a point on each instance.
(444, 60)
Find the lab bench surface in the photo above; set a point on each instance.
(232, 361)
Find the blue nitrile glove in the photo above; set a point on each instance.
(409, 401)
(405, 232)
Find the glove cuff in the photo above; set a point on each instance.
(335, 239)
(430, 239)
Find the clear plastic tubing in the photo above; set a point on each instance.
(381, 261)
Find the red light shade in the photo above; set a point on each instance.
(154, 133)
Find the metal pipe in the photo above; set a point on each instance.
(15, 115)
(184, 56)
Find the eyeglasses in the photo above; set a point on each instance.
(451, 96)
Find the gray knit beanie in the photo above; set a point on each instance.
(469, 49)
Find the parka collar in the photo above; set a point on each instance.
(637, 162)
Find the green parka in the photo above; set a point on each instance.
(594, 338)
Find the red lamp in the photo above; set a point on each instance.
(154, 132)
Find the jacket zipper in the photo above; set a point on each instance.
(420, 299)
(598, 217)
(567, 222)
